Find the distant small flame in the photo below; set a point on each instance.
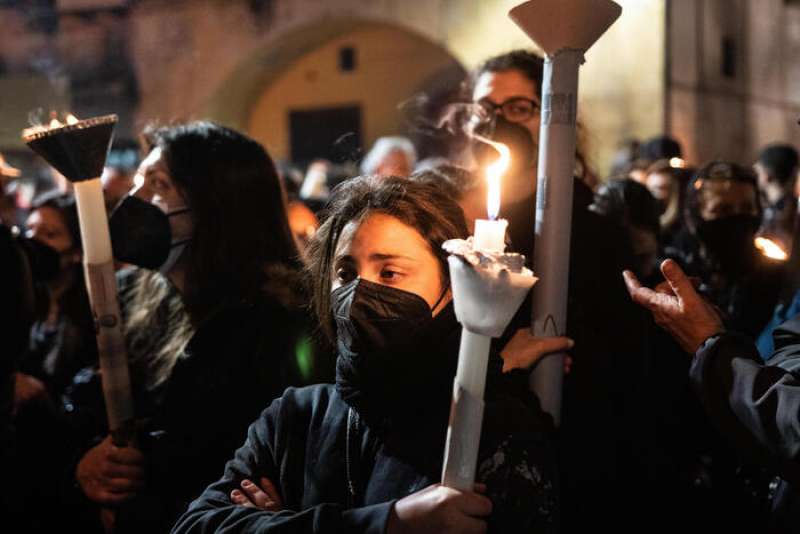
(72, 119)
(771, 249)
(677, 163)
(493, 174)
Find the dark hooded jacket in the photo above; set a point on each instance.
(757, 407)
(339, 466)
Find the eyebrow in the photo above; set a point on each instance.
(375, 257)
(383, 257)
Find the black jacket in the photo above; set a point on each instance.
(238, 360)
(757, 406)
(335, 473)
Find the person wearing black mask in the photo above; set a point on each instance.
(213, 321)
(364, 455)
(599, 399)
(717, 245)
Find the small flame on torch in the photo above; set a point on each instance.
(771, 249)
(69, 119)
(493, 174)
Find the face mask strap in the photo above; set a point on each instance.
(441, 298)
(178, 211)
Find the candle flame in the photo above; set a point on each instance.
(771, 249)
(493, 174)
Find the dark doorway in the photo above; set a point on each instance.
(330, 133)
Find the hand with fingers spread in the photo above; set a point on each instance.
(265, 497)
(441, 510)
(109, 475)
(677, 307)
(524, 349)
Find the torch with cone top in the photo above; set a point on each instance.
(564, 30)
(78, 150)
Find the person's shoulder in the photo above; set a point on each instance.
(309, 400)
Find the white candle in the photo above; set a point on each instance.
(490, 235)
(93, 221)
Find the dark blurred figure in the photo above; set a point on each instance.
(717, 245)
(303, 222)
(62, 341)
(625, 156)
(117, 182)
(666, 183)
(631, 206)
(660, 147)
(62, 338)
(598, 430)
(390, 156)
(777, 168)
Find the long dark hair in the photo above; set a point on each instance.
(422, 206)
(238, 209)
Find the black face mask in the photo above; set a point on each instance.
(729, 240)
(391, 355)
(518, 140)
(140, 233)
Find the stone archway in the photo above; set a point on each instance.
(392, 64)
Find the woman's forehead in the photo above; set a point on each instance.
(379, 233)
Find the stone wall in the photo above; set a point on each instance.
(734, 77)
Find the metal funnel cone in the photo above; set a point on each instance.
(558, 24)
(78, 151)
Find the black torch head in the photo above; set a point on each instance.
(79, 150)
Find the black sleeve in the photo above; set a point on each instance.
(755, 405)
(213, 511)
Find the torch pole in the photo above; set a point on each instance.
(554, 217)
(101, 284)
(565, 30)
(466, 412)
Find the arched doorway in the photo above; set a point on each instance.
(342, 77)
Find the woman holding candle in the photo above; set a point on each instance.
(363, 455)
(214, 328)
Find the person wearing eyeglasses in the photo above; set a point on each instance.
(599, 400)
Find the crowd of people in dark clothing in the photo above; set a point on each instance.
(292, 340)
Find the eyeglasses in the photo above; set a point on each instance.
(517, 109)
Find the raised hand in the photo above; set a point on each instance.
(677, 307)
